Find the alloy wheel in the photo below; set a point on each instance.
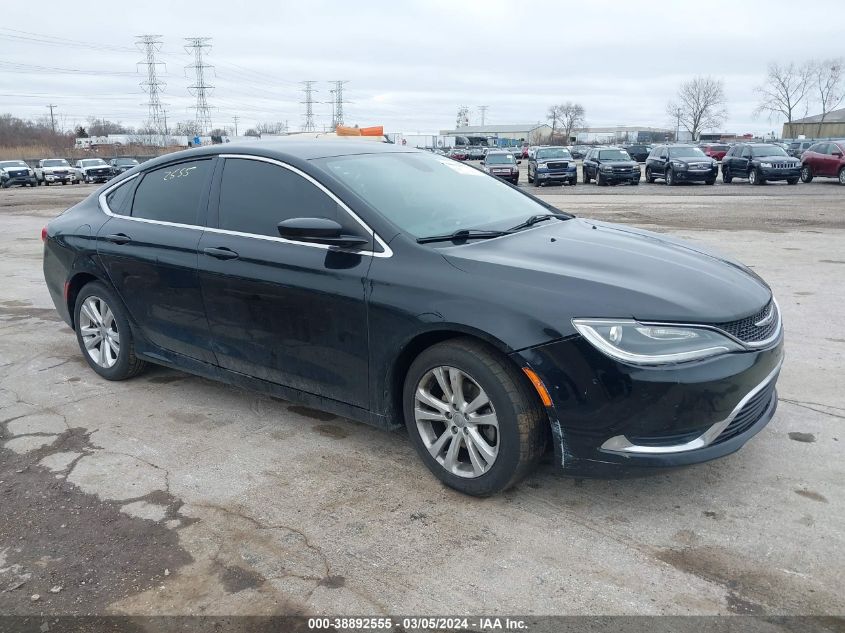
(842, 176)
(98, 329)
(456, 421)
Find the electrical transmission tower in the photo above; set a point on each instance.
(309, 91)
(200, 89)
(462, 120)
(150, 45)
(483, 110)
(338, 102)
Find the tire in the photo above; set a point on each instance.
(586, 176)
(519, 440)
(537, 182)
(806, 174)
(599, 181)
(792, 181)
(726, 176)
(635, 183)
(122, 365)
(670, 177)
(712, 181)
(574, 181)
(754, 178)
(530, 179)
(649, 177)
(842, 176)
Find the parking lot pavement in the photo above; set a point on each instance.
(171, 494)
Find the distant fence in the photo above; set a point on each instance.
(33, 153)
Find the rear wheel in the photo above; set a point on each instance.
(807, 174)
(472, 417)
(104, 334)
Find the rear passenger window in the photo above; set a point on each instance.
(255, 196)
(172, 193)
(119, 200)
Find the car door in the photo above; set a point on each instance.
(288, 312)
(148, 248)
(741, 162)
(826, 161)
(661, 161)
(588, 164)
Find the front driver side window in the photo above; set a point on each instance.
(255, 196)
(746, 152)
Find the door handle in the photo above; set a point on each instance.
(118, 238)
(221, 253)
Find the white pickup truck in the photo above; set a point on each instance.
(49, 171)
(94, 169)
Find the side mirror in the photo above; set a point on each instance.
(318, 231)
(837, 154)
(482, 161)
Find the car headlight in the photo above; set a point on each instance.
(542, 167)
(606, 168)
(30, 172)
(638, 343)
(765, 164)
(679, 164)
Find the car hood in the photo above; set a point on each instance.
(603, 270)
(543, 161)
(619, 163)
(777, 158)
(693, 159)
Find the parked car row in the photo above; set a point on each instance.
(52, 171)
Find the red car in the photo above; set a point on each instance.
(458, 154)
(826, 158)
(716, 151)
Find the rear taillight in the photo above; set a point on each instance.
(44, 234)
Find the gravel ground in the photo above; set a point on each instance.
(170, 494)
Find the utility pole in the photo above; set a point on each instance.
(309, 91)
(196, 46)
(150, 45)
(52, 118)
(483, 110)
(236, 119)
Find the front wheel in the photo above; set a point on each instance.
(670, 177)
(807, 174)
(754, 178)
(649, 177)
(473, 417)
(601, 182)
(104, 334)
(792, 181)
(842, 176)
(530, 179)
(712, 181)
(586, 176)
(726, 175)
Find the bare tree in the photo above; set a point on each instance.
(700, 105)
(279, 127)
(784, 88)
(829, 80)
(571, 116)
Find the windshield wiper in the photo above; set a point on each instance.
(540, 217)
(462, 235)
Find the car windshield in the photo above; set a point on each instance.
(127, 161)
(614, 154)
(12, 163)
(55, 162)
(93, 161)
(686, 152)
(767, 150)
(555, 152)
(499, 159)
(431, 195)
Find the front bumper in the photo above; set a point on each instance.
(696, 175)
(609, 418)
(60, 178)
(104, 177)
(18, 180)
(623, 176)
(563, 175)
(772, 173)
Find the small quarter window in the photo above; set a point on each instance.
(119, 200)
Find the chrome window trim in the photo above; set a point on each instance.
(387, 252)
(621, 444)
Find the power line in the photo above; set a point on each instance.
(152, 85)
(309, 91)
(200, 87)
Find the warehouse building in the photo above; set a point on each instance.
(622, 134)
(533, 133)
(813, 127)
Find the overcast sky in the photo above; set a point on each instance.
(410, 64)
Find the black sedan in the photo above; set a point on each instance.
(759, 163)
(680, 163)
(397, 287)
